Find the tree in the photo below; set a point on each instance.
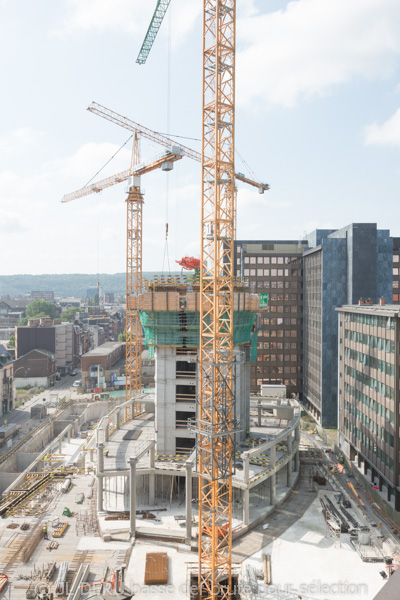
(69, 314)
(122, 337)
(40, 308)
(11, 341)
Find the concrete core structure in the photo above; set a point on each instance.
(150, 464)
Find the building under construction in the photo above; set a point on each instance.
(161, 447)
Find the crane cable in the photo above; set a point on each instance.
(166, 251)
(110, 159)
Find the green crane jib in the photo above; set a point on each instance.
(159, 13)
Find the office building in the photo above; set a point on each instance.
(340, 267)
(274, 269)
(369, 383)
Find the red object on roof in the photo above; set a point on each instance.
(189, 262)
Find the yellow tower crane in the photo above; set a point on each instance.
(134, 274)
(215, 424)
(134, 282)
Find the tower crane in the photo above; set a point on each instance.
(135, 224)
(134, 274)
(216, 424)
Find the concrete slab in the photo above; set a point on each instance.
(177, 573)
(306, 563)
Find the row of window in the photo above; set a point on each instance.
(374, 320)
(370, 444)
(275, 370)
(280, 321)
(370, 361)
(277, 357)
(266, 284)
(270, 272)
(382, 388)
(280, 308)
(281, 345)
(370, 403)
(380, 432)
(268, 260)
(288, 382)
(373, 341)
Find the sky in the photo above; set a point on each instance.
(317, 117)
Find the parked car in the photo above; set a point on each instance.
(77, 383)
(73, 372)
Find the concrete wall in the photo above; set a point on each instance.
(165, 411)
(20, 382)
(6, 480)
(25, 459)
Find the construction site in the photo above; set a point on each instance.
(195, 489)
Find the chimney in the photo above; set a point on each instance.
(382, 301)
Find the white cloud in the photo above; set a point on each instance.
(129, 16)
(19, 141)
(11, 222)
(88, 159)
(312, 46)
(387, 134)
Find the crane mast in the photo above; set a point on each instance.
(134, 283)
(216, 421)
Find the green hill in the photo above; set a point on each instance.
(65, 284)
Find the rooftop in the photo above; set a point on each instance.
(104, 349)
(389, 310)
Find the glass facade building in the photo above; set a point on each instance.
(340, 267)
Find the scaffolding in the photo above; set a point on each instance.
(182, 328)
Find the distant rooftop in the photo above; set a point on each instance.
(389, 309)
(104, 349)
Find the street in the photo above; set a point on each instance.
(22, 415)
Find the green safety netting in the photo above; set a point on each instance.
(174, 328)
(254, 338)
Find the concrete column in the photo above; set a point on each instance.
(100, 478)
(107, 432)
(132, 464)
(60, 446)
(259, 408)
(118, 419)
(189, 478)
(365, 467)
(272, 493)
(297, 461)
(396, 500)
(152, 477)
(389, 493)
(372, 475)
(246, 506)
(153, 457)
(152, 488)
(246, 467)
(358, 460)
(69, 436)
(91, 456)
(289, 465)
(273, 476)
(380, 482)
